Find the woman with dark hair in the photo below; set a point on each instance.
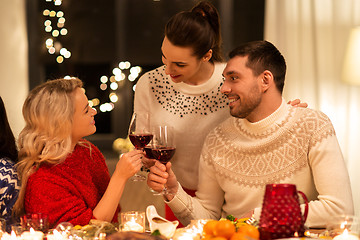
(9, 185)
(185, 91)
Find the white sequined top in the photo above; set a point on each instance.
(193, 111)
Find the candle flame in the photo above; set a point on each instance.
(13, 235)
(343, 225)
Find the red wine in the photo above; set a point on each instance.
(148, 151)
(163, 154)
(140, 140)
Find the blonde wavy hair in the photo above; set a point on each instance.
(46, 138)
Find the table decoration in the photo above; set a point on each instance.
(96, 229)
(156, 222)
(134, 235)
(56, 235)
(192, 231)
(17, 229)
(7, 236)
(133, 221)
(32, 235)
(36, 221)
(25, 235)
(344, 227)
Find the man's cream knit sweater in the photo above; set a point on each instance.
(292, 145)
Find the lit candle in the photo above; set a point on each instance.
(32, 235)
(346, 236)
(56, 235)
(132, 225)
(7, 236)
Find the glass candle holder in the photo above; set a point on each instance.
(17, 229)
(36, 221)
(344, 227)
(133, 221)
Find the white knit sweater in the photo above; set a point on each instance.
(192, 110)
(292, 145)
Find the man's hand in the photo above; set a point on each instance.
(161, 176)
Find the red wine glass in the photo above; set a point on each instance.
(163, 146)
(140, 135)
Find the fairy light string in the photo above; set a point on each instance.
(124, 71)
(54, 26)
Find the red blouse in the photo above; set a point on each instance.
(69, 191)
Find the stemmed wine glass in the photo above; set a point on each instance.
(163, 146)
(140, 135)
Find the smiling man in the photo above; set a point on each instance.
(266, 141)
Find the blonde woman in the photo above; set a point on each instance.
(63, 175)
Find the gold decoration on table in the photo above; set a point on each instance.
(122, 145)
(95, 229)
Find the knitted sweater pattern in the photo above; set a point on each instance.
(70, 190)
(9, 188)
(273, 155)
(292, 145)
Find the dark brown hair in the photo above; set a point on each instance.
(7, 140)
(199, 29)
(263, 55)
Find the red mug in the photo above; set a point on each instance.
(281, 215)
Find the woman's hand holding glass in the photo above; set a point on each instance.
(129, 163)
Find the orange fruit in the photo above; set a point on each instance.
(219, 238)
(239, 236)
(249, 230)
(207, 237)
(209, 227)
(224, 228)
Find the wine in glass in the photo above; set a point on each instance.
(163, 146)
(140, 135)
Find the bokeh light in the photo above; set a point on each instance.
(60, 14)
(103, 86)
(47, 23)
(114, 86)
(113, 97)
(57, 2)
(104, 79)
(64, 31)
(46, 12)
(51, 50)
(59, 59)
(116, 71)
(55, 33)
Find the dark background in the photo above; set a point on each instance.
(103, 33)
